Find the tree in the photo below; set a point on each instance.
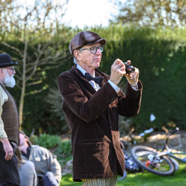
(152, 13)
(35, 27)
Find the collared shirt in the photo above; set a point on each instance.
(3, 99)
(94, 84)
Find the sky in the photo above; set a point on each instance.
(83, 13)
(88, 13)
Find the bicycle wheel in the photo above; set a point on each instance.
(146, 158)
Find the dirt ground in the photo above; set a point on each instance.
(156, 140)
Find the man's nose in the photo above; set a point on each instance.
(98, 51)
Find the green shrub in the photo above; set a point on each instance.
(61, 148)
(46, 140)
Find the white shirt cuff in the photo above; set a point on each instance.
(135, 87)
(115, 87)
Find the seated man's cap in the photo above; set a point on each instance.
(5, 61)
(85, 38)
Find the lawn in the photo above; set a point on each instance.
(141, 179)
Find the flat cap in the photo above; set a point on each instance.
(85, 38)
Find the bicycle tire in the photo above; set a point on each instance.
(145, 158)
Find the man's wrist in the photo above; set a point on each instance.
(4, 140)
(115, 87)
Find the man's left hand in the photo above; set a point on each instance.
(132, 78)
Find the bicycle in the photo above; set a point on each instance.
(161, 162)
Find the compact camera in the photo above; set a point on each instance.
(128, 67)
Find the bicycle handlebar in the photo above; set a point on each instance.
(174, 131)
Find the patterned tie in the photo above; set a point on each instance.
(98, 79)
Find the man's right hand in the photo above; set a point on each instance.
(117, 71)
(7, 148)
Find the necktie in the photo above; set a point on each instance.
(98, 79)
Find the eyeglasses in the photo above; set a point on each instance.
(93, 50)
(11, 68)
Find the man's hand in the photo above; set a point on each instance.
(132, 78)
(117, 71)
(7, 148)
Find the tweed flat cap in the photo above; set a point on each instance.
(85, 38)
(5, 61)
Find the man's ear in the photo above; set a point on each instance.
(77, 55)
(1, 70)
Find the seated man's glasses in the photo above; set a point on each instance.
(93, 50)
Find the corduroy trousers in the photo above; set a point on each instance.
(101, 182)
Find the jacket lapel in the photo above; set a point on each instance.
(81, 78)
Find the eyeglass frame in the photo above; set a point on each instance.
(11, 68)
(96, 48)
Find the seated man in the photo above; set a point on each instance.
(47, 167)
(27, 172)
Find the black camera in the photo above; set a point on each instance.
(128, 67)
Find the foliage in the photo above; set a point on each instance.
(64, 148)
(125, 125)
(47, 141)
(152, 13)
(38, 48)
(158, 53)
(55, 100)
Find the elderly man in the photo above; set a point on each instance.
(9, 125)
(92, 102)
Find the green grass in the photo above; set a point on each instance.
(141, 179)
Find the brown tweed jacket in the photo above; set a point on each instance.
(93, 119)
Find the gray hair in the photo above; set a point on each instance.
(75, 60)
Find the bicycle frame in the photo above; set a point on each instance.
(175, 156)
(170, 152)
(160, 162)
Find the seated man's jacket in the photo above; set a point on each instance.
(44, 161)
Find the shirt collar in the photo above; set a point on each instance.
(82, 70)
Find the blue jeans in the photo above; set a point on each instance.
(49, 180)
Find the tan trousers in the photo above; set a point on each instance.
(100, 182)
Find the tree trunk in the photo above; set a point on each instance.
(21, 103)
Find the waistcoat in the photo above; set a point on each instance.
(10, 118)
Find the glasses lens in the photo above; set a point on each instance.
(93, 50)
(101, 49)
(12, 69)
